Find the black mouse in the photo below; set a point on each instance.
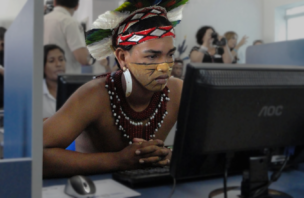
(80, 187)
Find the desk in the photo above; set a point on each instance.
(291, 182)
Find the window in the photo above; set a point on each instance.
(294, 23)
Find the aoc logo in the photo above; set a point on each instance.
(270, 111)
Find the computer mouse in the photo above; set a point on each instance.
(80, 187)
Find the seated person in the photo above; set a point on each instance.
(178, 68)
(207, 52)
(123, 117)
(54, 64)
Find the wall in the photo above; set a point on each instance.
(101, 6)
(9, 10)
(274, 25)
(243, 17)
(84, 13)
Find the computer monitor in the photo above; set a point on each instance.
(68, 84)
(236, 109)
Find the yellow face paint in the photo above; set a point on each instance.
(153, 77)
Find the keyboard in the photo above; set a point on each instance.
(144, 177)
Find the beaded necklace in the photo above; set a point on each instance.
(134, 124)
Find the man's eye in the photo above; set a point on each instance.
(152, 56)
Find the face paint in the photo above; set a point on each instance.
(153, 77)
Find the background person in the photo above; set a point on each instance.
(54, 64)
(135, 97)
(234, 47)
(178, 68)
(61, 29)
(207, 52)
(258, 42)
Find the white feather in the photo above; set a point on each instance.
(176, 14)
(102, 49)
(110, 20)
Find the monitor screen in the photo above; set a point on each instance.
(236, 109)
(68, 84)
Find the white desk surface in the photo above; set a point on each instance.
(291, 182)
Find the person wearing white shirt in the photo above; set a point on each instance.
(61, 29)
(54, 64)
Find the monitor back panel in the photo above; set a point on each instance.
(236, 110)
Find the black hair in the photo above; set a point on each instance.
(152, 22)
(68, 3)
(2, 32)
(47, 49)
(177, 60)
(201, 33)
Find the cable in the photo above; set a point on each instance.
(228, 158)
(173, 188)
(274, 177)
(225, 179)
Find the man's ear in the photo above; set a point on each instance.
(121, 56)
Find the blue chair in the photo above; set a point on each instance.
(72, 146)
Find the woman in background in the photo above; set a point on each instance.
(54, 64)
(207, 52)
(232, 38)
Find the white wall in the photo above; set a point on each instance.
(101, 6)
(9, 9)
(274, 25)
(243, 17)
(89, 10)
(84, 13)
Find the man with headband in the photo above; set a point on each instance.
(121, 119)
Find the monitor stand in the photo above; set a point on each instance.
(253, 179)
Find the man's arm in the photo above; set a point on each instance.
(82, 56)
(63, 127)
(227, 57)
(76, 42)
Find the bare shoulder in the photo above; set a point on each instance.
(94, 88)
(175, 86)
(175, 83)
(88, 97)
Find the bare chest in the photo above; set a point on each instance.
(104, 135)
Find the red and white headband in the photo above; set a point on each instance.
(135, 38)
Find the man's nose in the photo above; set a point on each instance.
(163, 67)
